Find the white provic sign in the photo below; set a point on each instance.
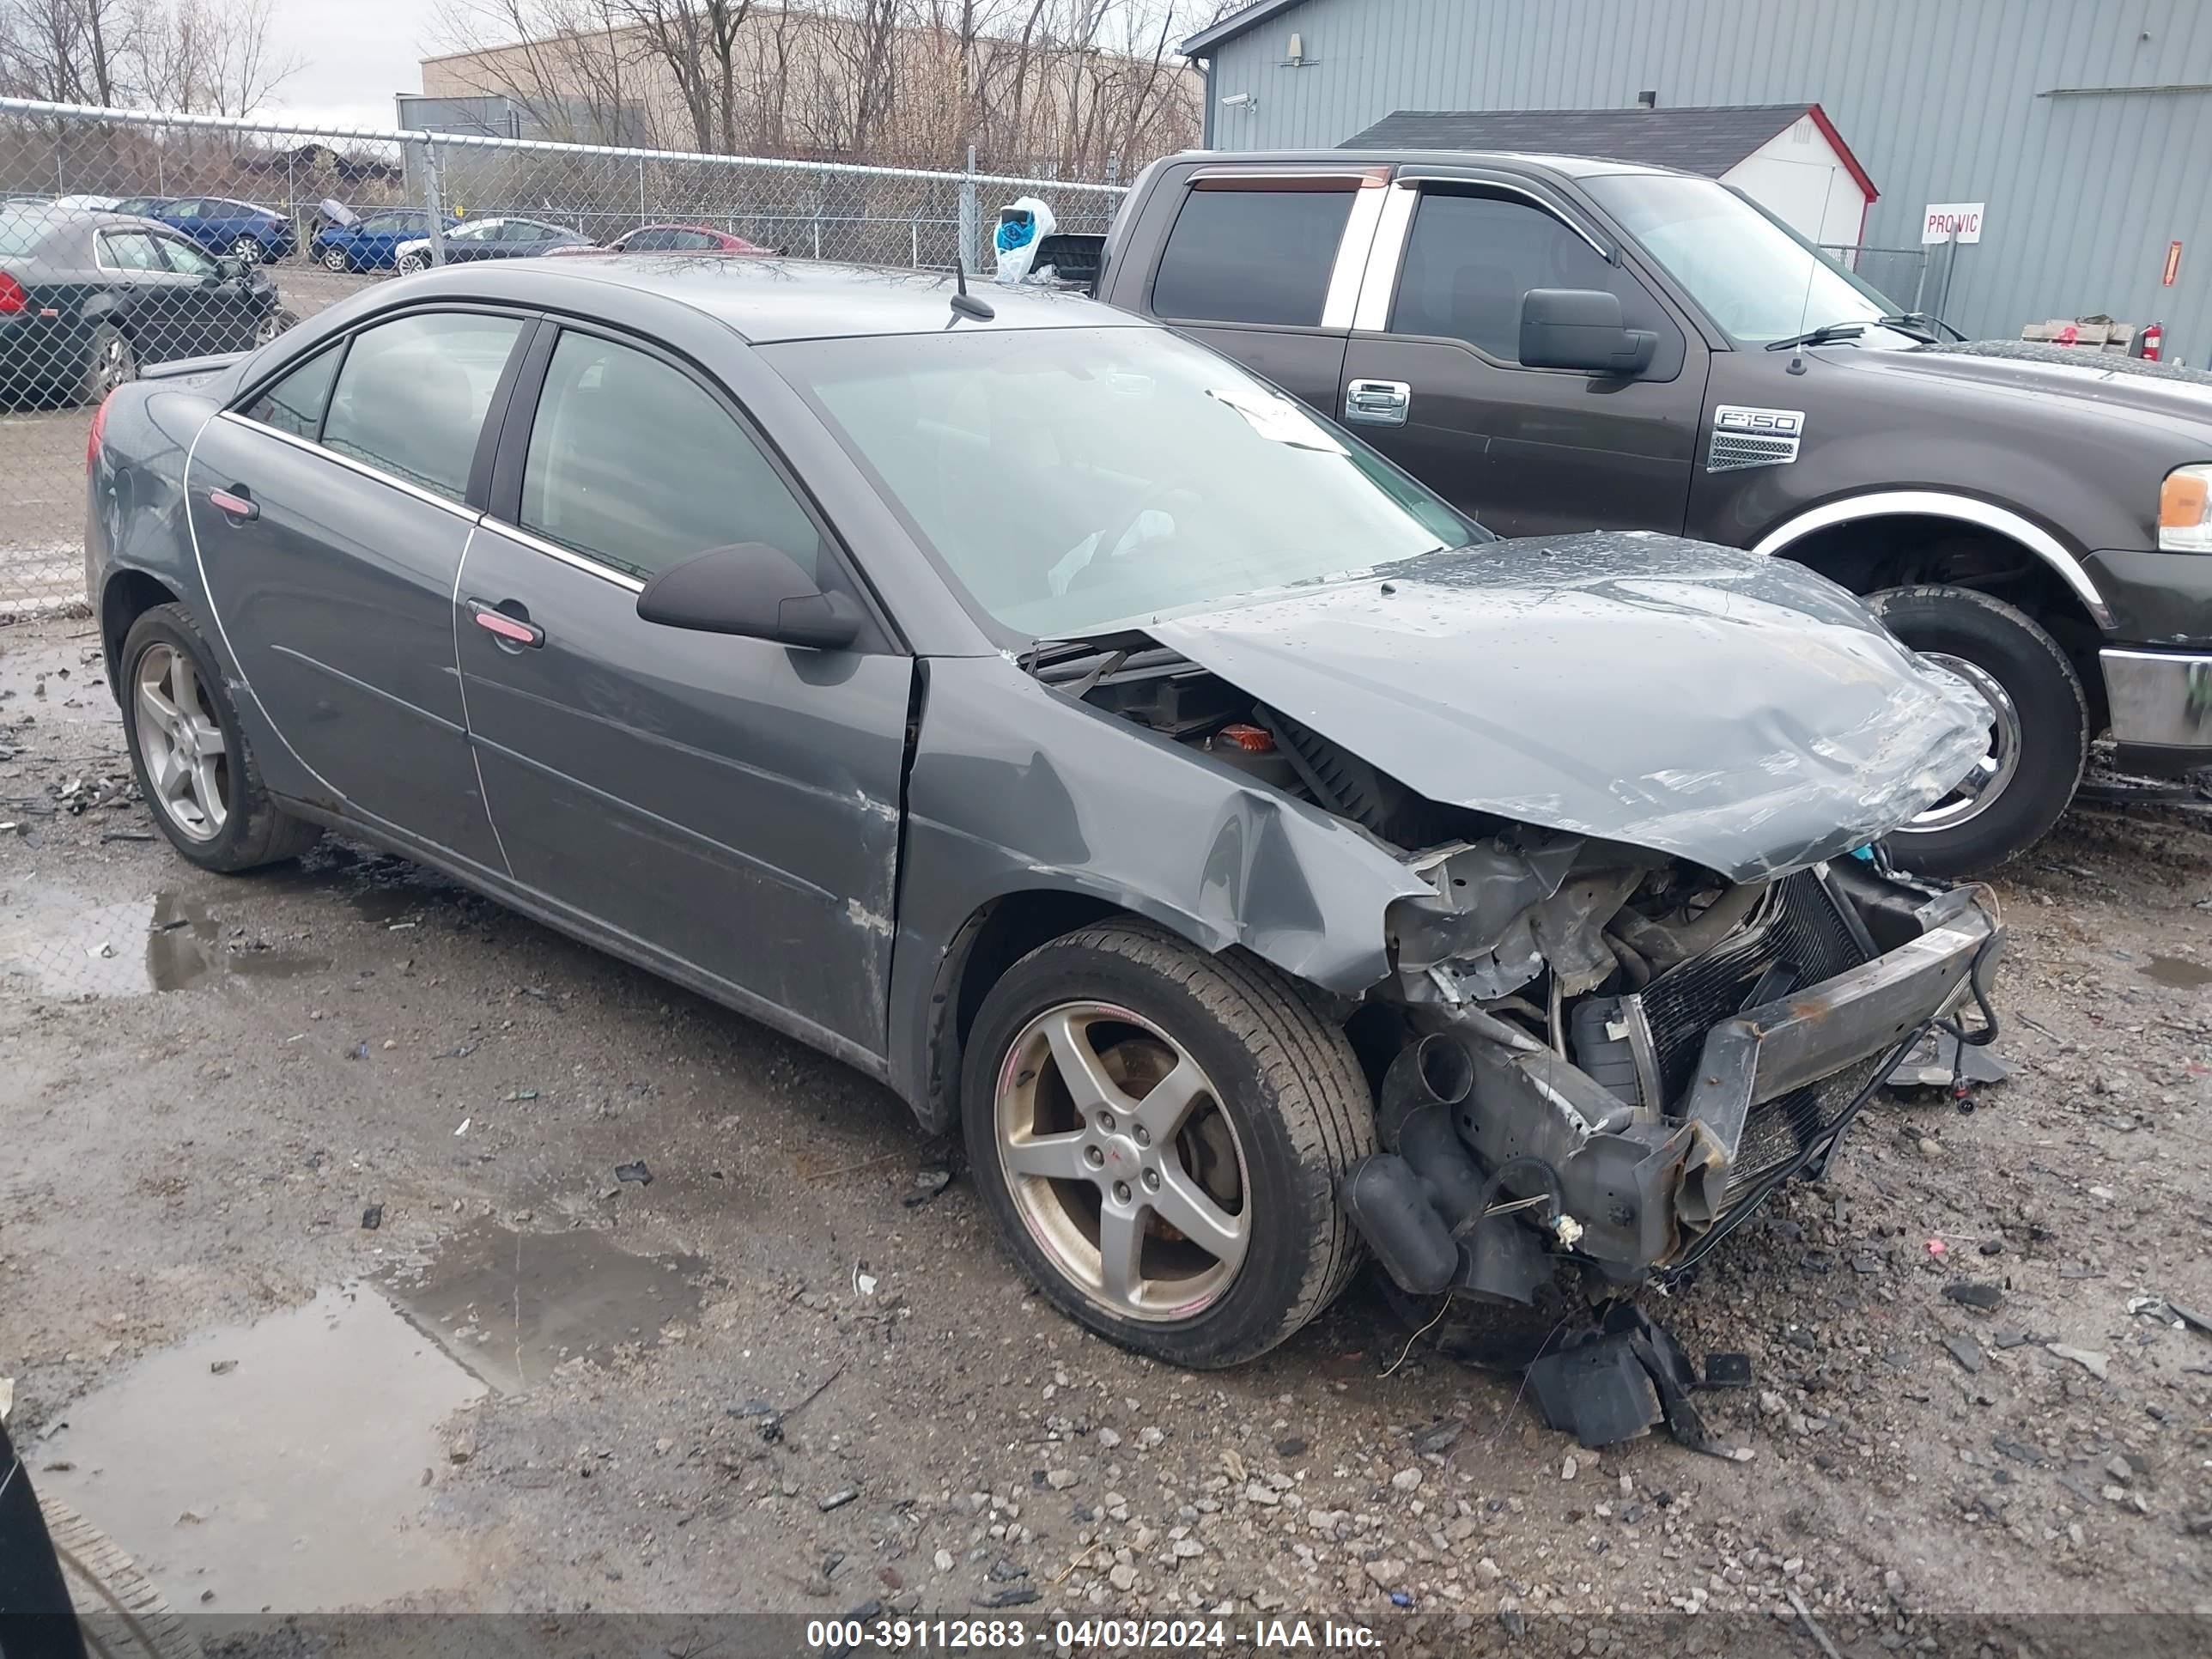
(1945, 221)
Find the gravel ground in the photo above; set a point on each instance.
(1955, 1417)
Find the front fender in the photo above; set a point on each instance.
(1017, 787)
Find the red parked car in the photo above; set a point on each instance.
(672, 239)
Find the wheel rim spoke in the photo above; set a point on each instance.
(1168, 1102)
(1049, 1157)
(181, 743)
(1080, 1068)
(1184, 1206)
(1121, 1254)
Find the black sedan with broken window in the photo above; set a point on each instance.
(1030, 708)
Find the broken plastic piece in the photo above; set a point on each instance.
(1939, 1061)
(636, 1172)
(1728, 1370)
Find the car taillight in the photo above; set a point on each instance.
(99, 425)
(12, 297)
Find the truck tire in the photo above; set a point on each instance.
(2039, 740)
(1071, 1163)
(120, 1613)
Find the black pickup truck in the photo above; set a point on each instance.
(1560, 344)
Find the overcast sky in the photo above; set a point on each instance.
(354, 54)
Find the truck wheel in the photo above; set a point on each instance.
(190, 757)
(1158, 1134)
(2040, 736)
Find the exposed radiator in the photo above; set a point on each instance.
(1802, 931)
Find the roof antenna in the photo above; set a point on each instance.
(964, 303)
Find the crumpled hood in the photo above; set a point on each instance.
(1737, 711)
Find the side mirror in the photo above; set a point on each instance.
(229, 269)
(1581, 328)
(753, 590)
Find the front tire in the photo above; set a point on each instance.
(192, 764)
(1158, 1134)
(410, 265)
(2039, 737)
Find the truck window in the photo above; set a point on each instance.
(1258, 255)
(1470, 259)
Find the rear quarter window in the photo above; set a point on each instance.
(1252, 256)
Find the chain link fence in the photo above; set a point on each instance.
(1901, 273)
(129, 239)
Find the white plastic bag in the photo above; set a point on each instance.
(1015, 241)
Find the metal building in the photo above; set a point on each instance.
(2084, 126)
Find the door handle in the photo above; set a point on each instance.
(1377, 402)
(235, 503)
(513, 632)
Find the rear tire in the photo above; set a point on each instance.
(1283, 1080)
(249, 249)
(335, 261)
(222, 818)
(2046, 725)
(111, 360)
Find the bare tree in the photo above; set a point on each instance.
(206, 57)
(71, 51)
(571, 66)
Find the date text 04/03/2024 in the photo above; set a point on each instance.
(843, 1636)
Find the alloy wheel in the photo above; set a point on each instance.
(181, 741)
(1121, 1163)
(1981, 789)
(334, 259)
(247, 248)
(114, 363)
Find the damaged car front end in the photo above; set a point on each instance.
(1653, 961)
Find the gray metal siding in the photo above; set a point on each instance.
(1941, 101)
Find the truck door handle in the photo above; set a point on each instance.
(235, 503)
(508, 624)
(1377, 402)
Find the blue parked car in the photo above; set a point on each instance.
(222, 226)
(373, 244)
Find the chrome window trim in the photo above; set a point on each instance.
(567, 555)
(99, 252)
(1536, 198)
(1344, 276)
(459, 510)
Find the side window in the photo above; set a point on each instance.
(632, 464)
(1470, 259)
(296, 404)
(186, 259)
(1252, 256)
(646, 241)
(411, 398)
(128, 250)
(689, 240)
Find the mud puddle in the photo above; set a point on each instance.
(377, 887)
(279, 1465)
(512, 1306)
(2178, 973)
(57, 942)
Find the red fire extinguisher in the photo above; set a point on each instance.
(2150, 342)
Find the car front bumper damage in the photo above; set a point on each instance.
(1502, 1157)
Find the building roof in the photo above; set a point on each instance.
(1234, 25)
(1707, 140)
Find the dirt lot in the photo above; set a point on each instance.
(537, 1382)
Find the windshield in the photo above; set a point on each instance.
(1753, 276)
(1070, 479)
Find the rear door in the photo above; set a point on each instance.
(146, 300)
(730, 806)
(1265, 267)
(331, 509)
(1432, 375)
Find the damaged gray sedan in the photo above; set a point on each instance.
(1028, 706)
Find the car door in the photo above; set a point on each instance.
(730, 806)
(213, 310)
(1432, 375)
(142, 292)
(1250, 266)
(330, 510)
